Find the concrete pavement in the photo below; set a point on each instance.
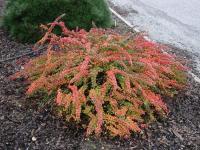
(174, 22)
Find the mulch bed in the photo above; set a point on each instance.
(26, 128)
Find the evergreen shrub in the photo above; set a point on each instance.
(23, 17)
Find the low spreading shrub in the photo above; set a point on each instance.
(105, 80)
(23, 17)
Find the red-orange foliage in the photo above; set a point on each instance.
(112, 79)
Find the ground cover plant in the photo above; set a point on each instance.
(23, 17)
(103, 80)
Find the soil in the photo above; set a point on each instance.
(23, 128)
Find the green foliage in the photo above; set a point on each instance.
(40, 99)
(23, 17)
(112, 86)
